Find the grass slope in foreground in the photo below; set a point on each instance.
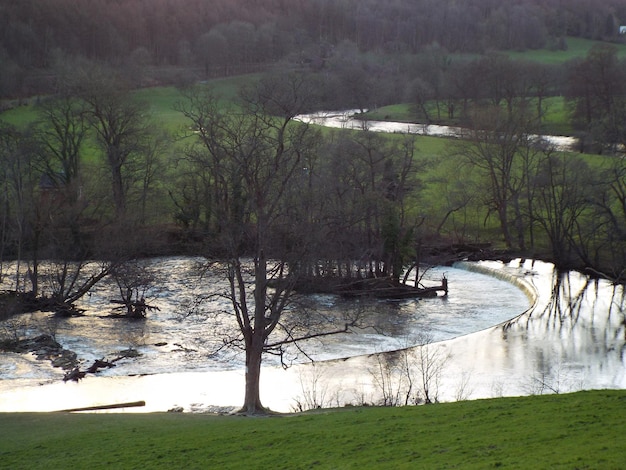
(580, 430)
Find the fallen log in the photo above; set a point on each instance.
(99, 364)
(75, 375)
(105, 407)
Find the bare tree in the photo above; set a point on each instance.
(256, 156)
(370, 183)
(395, 377)
(595, 88)
(314, 390)
(62, 129)
(563, 195)
(496, 149)
(121, 127)
(410, 375)
(609, 219)
(133, 280)
(430, 362)
(21, 218)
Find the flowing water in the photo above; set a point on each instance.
(505, 329)
(350, 120)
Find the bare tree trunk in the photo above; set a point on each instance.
(117, 184)
(252, 400)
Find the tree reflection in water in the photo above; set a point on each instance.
(573, 338)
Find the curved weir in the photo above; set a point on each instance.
(571, 338)
(498, 270)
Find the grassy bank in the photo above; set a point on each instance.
(581, 430)
(555, 121)
(575, 48)
(161, 102)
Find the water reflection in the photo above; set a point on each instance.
(572, 337)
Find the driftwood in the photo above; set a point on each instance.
(74, 375)
(105, 407)
(99, 364)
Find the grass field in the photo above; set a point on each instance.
(584, 430)
(576, 47)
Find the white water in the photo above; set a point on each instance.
(350, 120)
(548, 344)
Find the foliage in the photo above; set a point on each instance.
(581, 430)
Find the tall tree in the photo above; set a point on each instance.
(61, 132)
(563, 195)
(596, 89)
(256, 156)
(121, 127)
(605, 228)
(19, 180)
(370, 181)
(497, 140)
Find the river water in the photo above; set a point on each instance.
(349, 119)
(504, 329)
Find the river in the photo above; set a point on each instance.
(504, 329)
(349, 119)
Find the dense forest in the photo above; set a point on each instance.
(217, 37)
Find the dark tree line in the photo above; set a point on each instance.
(220, 37)
(56, 199)
(348, 196)
(61, 209)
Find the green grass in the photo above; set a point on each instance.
(396, 112)
(581, 430)
(555, 120)
(20, 116)
(576, 48)
(161, 102)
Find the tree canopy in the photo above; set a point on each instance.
(219, 37)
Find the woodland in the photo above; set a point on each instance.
(217, 37)
(89, 171)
